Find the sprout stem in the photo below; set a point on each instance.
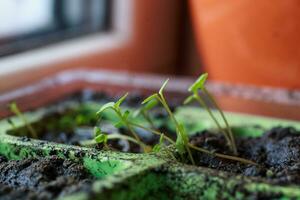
(154, 132)
(163, 101)
(202, 103)
(14, 108)
(224, 119)
(148, 119)
(125, 137)
(242, 160)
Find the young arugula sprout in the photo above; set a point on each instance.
(199, 85)
(123, 116)
(127, 122)
(14, 108)
(146, 107)
(182, 138)
(144, 112)
(102, 138)
(182, 142)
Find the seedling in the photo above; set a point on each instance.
(144, 111)
(182, 144)
(182, 138)
(102, 138)
(14, 108)
(124, 120)
(199, 85)
(123, 116)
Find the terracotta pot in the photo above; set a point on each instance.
(249, 42)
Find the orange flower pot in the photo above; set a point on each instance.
(250, 41)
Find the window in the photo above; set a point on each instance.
(30, 24)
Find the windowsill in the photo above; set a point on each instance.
(74, 48)
(62, 51)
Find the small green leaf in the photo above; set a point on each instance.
(106, 106)
(120, 101)
(102, 138)
(199, 83)
(163, 87)
(182, 139)
(119, 124)
(161, 139)
(126, 114)
(183, 133)
(150, 104)
(188, 100)
(180, 145)
(97, 131)
(158, 146)
(153, 96)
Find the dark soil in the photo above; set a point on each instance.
(44, 178)
(75, 136)
(277, 152)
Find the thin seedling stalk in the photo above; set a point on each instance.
(242, 160)
(133, 133)
(135, 136)
(246, 161)
(16, 110)
(148, 119)
(224, 119)
(165, 105)
(114, 136)
(201, 101)
(125, 137)
(154, 132)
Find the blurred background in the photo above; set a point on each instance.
(246, 42)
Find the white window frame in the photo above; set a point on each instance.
(119, 36)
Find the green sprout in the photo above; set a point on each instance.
(199, 85)
(124, 120)
(14, 108)
(182, 138)
(102, 138)
(144, 112)
(122, 115)
(182, 142)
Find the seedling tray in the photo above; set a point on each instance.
(149, 175)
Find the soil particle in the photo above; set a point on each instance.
(44, 178)
(277, 152)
